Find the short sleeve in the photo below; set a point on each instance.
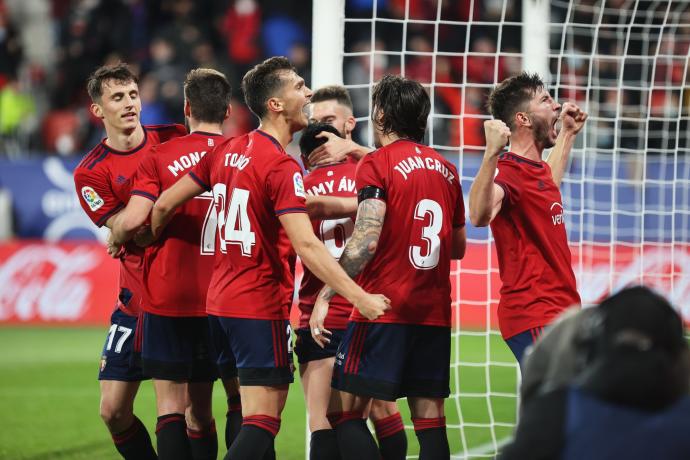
(285, 186)
(146, 181)
(201, 174)
(96, 197)
(508, 178)
(369, 174)
(459, 211)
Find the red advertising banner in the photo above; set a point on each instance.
(76, 283)
(56, 282)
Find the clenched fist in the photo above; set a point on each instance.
(497, 136)
(572, 117)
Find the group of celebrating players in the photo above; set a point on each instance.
(208, 228)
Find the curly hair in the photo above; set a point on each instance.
(400, 106)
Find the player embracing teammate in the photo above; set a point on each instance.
(409, 225)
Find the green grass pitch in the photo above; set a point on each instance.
(49, 398)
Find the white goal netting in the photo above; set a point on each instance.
(627, 189)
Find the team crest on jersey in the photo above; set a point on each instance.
(299, 184)
(104, 361)
(94, 201)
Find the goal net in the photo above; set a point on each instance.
(626, 191)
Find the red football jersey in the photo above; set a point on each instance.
(178, 266)
(532, 246)
(423, 204)
(253, 182)
(103, 183)
(331, 180)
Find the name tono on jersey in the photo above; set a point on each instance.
(253, 181)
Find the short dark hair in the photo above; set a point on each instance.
(208, 93)
(262, 82)
(308, 142)
(512, 94)
(403, 106)
(118, 72)
(333, 92)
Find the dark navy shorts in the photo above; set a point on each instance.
(177, 348)
(121, 356)
(519, 343)
(307, 349)
(259, 351)
(390, 361)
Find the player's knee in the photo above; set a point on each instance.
(115, 417)
(382, 409)
(198, 418)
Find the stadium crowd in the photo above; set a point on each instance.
(48, 48)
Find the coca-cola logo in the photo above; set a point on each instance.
(46, 282)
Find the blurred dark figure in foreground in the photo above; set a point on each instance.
(608, 383)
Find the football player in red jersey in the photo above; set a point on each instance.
(176, 348)
(518, 195)
(316, 360)
(258, 189)
(410, 223)
(102, 181)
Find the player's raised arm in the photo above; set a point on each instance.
(572, 120)
(485, 195)
(316, 257)
(185, 189)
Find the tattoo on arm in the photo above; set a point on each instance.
(364, 241)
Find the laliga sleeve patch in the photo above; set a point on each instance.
(299, 185)
(94, 201)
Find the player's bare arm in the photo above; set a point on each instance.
(331, 207)
(485, 195)
(364, 241)
(129, 220)
(336, 149)
(357, 253)
(316, 257)
(572, 121)
(163, 210)
(459, 243)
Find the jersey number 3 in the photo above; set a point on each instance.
(427, 256)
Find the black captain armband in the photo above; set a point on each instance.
(371, 192)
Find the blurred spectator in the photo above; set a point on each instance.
(608, 383)
(16, 111)
(240, 27)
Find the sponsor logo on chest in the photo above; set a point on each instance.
(557, 214)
